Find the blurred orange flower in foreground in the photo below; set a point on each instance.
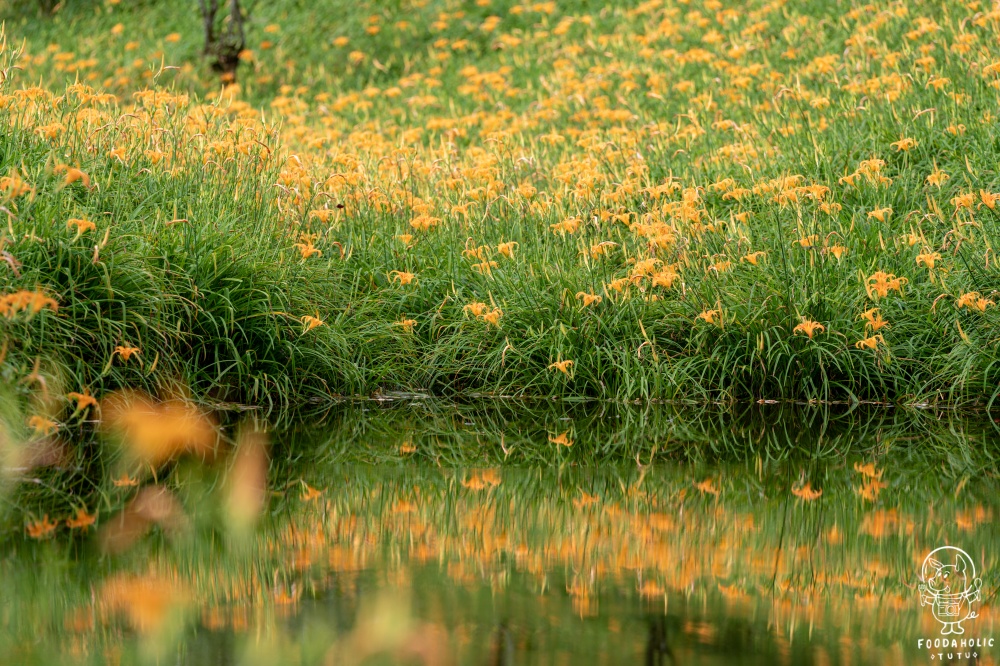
(155, 432)
(145, 602)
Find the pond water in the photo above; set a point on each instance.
(418, 532)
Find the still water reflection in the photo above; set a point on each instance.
(482, 534)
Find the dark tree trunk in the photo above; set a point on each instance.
(224, 38)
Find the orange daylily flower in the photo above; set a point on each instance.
(713, 317)
(492, 317)
(403, 277)
(561, 439)
(928, 259)
(83, 400)
(561, 366)
(42, 529)
(126, 352)
(870, 342)
(973, 301)
(32, 302)
(81, 225)
(808, 327)
(311, 322)
(507, 249)
(707, 487)
(42, 426)
(309, 493)
(874, 319)
(154, 432)
(807, 493)
(125, 481)
(476, 308)
(880, 214)
(82, 520)
(869, 470)
(880, 283)
(308, 250)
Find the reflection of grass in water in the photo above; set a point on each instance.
(519, 432)
(411, 434)
(543, 547)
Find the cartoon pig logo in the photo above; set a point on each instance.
(950, 587)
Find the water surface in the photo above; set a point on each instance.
(429, 533)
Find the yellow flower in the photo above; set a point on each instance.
(874, 319)
(125, 481)
(307, 249)
(707, 487)
(42, 529)
(904, 144)
(81, 225)
(807, 493)
(82, 520)
(492, 317)
(711, 316)
(32, 302)
(310, 494)
(963, 200)
(928, 259)
(588, 299)
(880, 283)
(424, 222)
(837, 251)
(73, 175)
(83, 400)
(403, 277)
(619, 284)
(476, 308)
(485, 267)
(407, 324)
(753, 257)
(666, 277)
(13, 186)
(880, 214)
(562, 439)
(507, 249)
(561, 366)
(808, 327)
(937, 177)
(599, 249)
(870, 342)
(989, 199)
(567, 226)
(126, 352)
(973, 301)
(42, 426)
(311, 322)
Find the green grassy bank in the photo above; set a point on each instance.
(652, 201)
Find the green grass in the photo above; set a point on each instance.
(215, 304)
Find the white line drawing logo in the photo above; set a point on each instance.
(950, 587)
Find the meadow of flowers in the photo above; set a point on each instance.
(665, 199)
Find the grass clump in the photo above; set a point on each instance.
(517, 199)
